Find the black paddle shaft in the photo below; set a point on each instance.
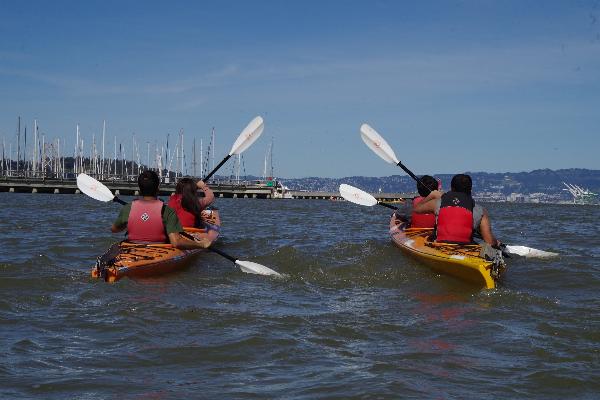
(210, 248)
(219, 252)
(207, 177)
(416, 178)
(387, 205)
(118, 200)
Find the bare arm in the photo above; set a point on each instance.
(209, 196)
(184, 243)
(485, 227)
(428, 204)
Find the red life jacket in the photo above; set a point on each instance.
(455, 218)
(185, 217)
(421, 220)
(145, 222)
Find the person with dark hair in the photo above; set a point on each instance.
(423, 220)
(458, 218)
(149, 220)
(187, 204)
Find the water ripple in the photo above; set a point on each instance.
(353, 318)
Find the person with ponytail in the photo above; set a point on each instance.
(187, 204)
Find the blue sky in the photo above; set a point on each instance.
(452, 85)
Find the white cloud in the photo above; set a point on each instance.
(85, 86)
(455, 70)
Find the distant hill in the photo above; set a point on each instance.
(537, 181)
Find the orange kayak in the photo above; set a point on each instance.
(461, 261)
(138, 260)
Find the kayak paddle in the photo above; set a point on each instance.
(528, 252)
(357, 196)
(247, 266)
(383, 149)
(95, 189)
(248, 136)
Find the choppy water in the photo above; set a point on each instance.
(353, 319)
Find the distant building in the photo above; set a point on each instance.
(515, 198)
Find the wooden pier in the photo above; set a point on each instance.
(220, 189)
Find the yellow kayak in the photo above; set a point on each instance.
(461, 261)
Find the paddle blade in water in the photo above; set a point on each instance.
(378, 144)
(93, 188)
(248, 136)
(357, 196)
(255, 268)
(525, 251)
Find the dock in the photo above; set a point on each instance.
(220, 189)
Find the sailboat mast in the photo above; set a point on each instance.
(76, 161)
(194, 157)
(271, 158)
(115, 158)
(93, 164)
(177, 160)
(18, 144)
(213, 148)
(167, 158)
(265, 167)
(81, 157)
(123, 166)
(181, 135)
(34, 164)
(63, 166)
(132, 151)
(43, 159)
(102, 162)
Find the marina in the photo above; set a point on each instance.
(43, 166)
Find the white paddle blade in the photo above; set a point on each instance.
(378, 144)
(93, 188)
(248, 136)
(357, 196)
(254, 268)
(525, 251)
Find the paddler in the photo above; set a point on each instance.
(190, 207)
(423, 220)
(186, 202)
(149, 220)
(458, 218)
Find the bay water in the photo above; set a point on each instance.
(352, 318)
